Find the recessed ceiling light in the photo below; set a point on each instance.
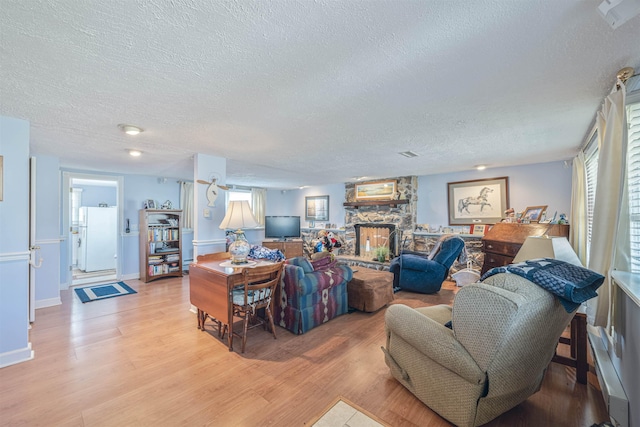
(135, 153)
(408, 154)
(130, 129)
(481, 167)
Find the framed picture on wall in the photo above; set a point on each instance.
(316, 208)
(479, 201)
(479, 229)
(381, 190)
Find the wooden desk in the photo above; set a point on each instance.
(210, 290)
(578, 345)
(501, 244)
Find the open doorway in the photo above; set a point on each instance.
(93, 218)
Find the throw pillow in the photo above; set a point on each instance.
(324, 263)
(301, 262)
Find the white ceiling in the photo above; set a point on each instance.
(302, 92)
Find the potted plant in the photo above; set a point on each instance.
(382, 252)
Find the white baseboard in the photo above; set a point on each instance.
(50, 302)
(612, 391)
(133, 276)
(16, 356)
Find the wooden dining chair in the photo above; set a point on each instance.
(256, 291)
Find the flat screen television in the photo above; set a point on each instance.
(281, 227)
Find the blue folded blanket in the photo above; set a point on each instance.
(260, 252)
(572, 284)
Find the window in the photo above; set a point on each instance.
(256, 198)
(591, 171)
(633, 177)
(633, 174)
(233, 195)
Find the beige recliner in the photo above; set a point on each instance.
(504, 334)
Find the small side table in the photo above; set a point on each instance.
(578, 343)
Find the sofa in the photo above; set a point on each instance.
(311, 293)
(501, 337)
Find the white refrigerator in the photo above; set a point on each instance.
(97, 246)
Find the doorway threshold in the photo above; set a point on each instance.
(94, 280)
(82, 278)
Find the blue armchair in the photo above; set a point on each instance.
(413, 271)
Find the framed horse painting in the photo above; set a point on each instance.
(479, 201)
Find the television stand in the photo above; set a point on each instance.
(290, 248)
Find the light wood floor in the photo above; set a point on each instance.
(140, 360)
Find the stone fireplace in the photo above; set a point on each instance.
(385, 222)
(392, 221)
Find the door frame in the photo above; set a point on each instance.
(67, 177)
(32, 238)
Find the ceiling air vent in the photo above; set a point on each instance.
(408, 154)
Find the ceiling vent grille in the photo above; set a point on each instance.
(408, 154)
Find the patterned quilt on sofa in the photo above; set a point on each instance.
(311, 293)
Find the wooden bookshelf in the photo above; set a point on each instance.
(160, 243)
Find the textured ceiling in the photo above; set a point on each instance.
(303, 92)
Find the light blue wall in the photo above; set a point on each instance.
(136, 189)
(292, 202)
(529, 185)
(14, 242)
(94, 195)
(208, 237)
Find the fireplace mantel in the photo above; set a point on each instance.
(375, 203)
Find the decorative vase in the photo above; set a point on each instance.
(239, 249)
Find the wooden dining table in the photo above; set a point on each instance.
(211, 285)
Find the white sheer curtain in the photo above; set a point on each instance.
(259, 204)
(610, 214)
(186, 204)
(578, 220)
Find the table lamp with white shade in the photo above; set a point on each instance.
(547, 247)
(239, 216)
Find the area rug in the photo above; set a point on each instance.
(103, 291)
(342, 412)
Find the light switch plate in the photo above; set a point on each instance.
(207, 213)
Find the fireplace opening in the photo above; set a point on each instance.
(370, 236)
